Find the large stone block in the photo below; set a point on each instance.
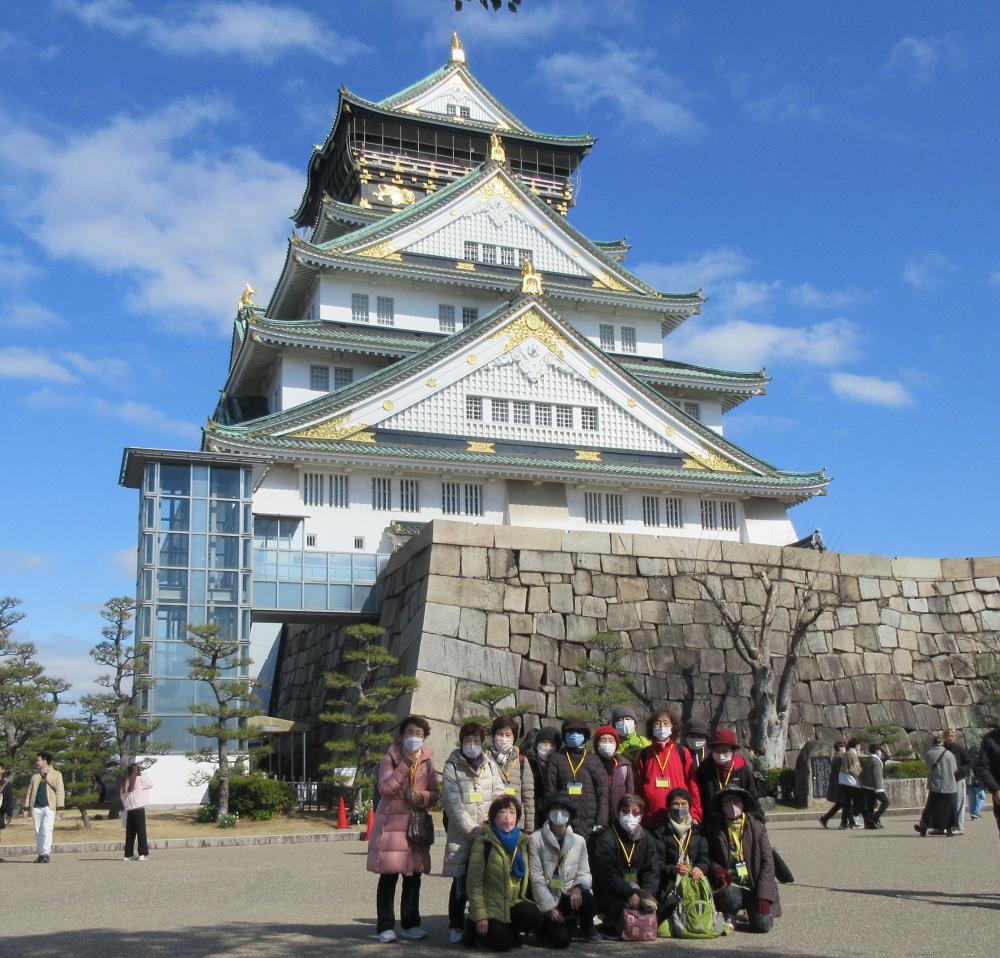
(680, 613)
(472, 626)
(448, 532)
(618, 565)
(445, 560)
(498, 630)
(501, 563)
(538, 599)
(551, 624)
(515, 598)
(937, 694)
(594, 607)
(877, 663)
(661, 587)
(474, 562)
(632, 590)
(830, 666)
(441, 619)
(713, 661)
(623, 615)
(522, 537)
(434, 696)
(889, 687)
(544, 649)
(653, 612)
(534, 561)
(580, 628)
(468, 660)
(865, 565)
(605, 586)
(576, 541)
(651, 567)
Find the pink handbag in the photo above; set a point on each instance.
(639, 925)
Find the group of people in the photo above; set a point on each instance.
(656, 834)
(45, 802)
(857, 785)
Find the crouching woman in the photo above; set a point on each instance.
(625, 866)
(742, 862)
(498, 882)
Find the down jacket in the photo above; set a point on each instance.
(608, 864)
(621, 781)
(592, 801)
(517, 774)
(677, 771)
(492, 888)
(988, 764)
(388, 850)
(669, 853)
(460, 782)
(545, 852)
(712, 779)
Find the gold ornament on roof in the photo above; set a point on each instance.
(604, 281)
(531, 282)
(532, 324)
(497, 152)
(246, 299)
(384, 250)
(588, 455)
(332, 429)
(474, 445)
(395, 195)
(457, 50)
(707, 459)
(497, 186)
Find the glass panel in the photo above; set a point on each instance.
(146, 585)
(340, 597)
(245, 588)
(196, 593)
(171, 659)
(226, 619)
(147, 549)
(247, 518)
(173, 548)
(171, 622)
(265, 532)
(265, 595)
(224, 517)
(199, 481)
(340, 567)
(289, 595)
(199, 515)
(149, 513)
(196, 615)
(265, 564)
(198, 554)
(174, 514)
(145, 621)
(245, 558)
(174, 480)
(290, 565)
(247, 483)
(175, 732)
(222, 586)
(316, 566)
(225, 483)
(174, 696)
(150, 478)
(288, 534)
(172, 585)
(315, 597)
(364, 568)
(245, 625)
(223, 552)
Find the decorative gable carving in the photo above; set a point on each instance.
(455, 90)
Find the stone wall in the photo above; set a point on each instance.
(909, 642)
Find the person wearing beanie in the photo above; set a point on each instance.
(664, 765)
(539, 746)
(560, 875)
(742, 872)
(607, 743)
(516, 773)
(724, 766)
(696, 736)
(631, 742)
(682, 850)
(581, 775)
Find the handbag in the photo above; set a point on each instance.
(638, 925)
(420, 828)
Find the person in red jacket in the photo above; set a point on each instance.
(663, 766)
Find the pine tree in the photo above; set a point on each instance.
(361, 703)
(491, 697)
(602, 682)
(128, 663)
(218, 662)
(84, 752)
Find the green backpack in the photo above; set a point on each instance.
(695, 915)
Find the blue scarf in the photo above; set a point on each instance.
(510, 844)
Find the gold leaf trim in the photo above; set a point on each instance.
(471, 267)
(432, 382)
(699, 458)
(632, 404)
(388, 405)
(384, 250)
(593, 372)
(361, 437)
(588, 455)
(497, 187)
(533, 324)
(332, 429)
(472, 359)
(476, 446)
(604, 281)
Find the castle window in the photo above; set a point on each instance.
(693, 409)
(446, 318)
(564, 417)
(451, 109)
(342, 376)
(470, 314)
(386, 310)
(593, 507)
(727, 515)
(501, 410)
(651, 511)
(471, 251)
(381, 494)
(464, 112)
(457, 500)
(489, 253)
(506, 256)
(359, 542)
(409, 495)
(588, 418)
(473, 499)
(614, 509)
(338, 492)
(628, 339)
(319, 378)
(522, 412)
(474, 408)
(607, 336)
(543, 414)
(359, 307)
(673, 512)
(310, 541)
(312, 489)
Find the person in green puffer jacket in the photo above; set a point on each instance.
(632, 743)
(498, 883)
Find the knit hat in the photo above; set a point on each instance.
(576, 725)
(696, 729)
(734, 791)
(623, 711)
(724, 737)
(608, 730)
(548, 733)
(561, 800)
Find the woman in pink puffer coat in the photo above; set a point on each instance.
(406, 780)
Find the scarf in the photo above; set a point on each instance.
(680, 829)
(474, 763)
(511, 847)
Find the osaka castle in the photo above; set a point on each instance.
(441, 343)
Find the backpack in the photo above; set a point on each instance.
(695, 915)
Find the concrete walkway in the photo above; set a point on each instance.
(885, 893)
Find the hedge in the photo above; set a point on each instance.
(909, 768)
(251, 795)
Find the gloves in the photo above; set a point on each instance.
(720, 876)
(763, 906)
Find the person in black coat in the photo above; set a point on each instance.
(988, 768)
(723, 766)
(681, 848)
(580, 774)
(625, 866)
(539, 746)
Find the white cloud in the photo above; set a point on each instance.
(105, 368)
(134, 413)
(19, 561)
(870, 389)
(122, 563)
(28, 315)
(631, 80)
(18, 362)
(919, 59)
(15, 268)
(142, 199)
(807, 295)
(928, 270)
(256, 31)
(740, 344)
(701, 272)
(745, 423)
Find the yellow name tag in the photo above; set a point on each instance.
(741, 870)
(663, 783)
(632, 877)
(510, 790)
(575, 789)
(475, 797)
(556, 884)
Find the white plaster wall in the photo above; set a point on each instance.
(294, 373)
(767, 523)
(171, 777)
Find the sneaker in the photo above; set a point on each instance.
(455, 936)
(976, 818)
(957, 831)
(386, 937)
(39, 859)
(823, 821)
(413, 934)
(592, 935)
(45, 859)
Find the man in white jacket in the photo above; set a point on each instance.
(560, 875)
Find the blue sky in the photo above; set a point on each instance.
(826, 172)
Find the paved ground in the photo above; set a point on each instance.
(858, 893)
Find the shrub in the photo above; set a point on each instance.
(781, 783)
(263, 814)
(911, 768)
(205, 814)
(228, 820)
(253, 793)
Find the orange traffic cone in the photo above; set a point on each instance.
(342, 814)
(371, 824)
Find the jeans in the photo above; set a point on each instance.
(135, 827)
(524, 918)
(558, 934)
(977, 800)
(960, 785)
(732, 898)
(409, 903)
(44, 820)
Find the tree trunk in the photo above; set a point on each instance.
(759, 706)
(85, 815)
(223, 777)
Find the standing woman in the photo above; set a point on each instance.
(5, 790)
(940, 812)
(620, 779)
(133, 787)
(834, 793)
(517, 775)
(722, 767)
(406, 782)
(580, 775)
(471, 781)
(544, 743)
(663, 766)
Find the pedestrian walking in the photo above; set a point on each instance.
(988, 768)
(407, 786)
(834, 793)
(939, 813)
(873, 787)
(977, 793)
(963, 772)
(46, 800)
(134, 789)
(5, 795)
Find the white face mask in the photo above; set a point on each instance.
(412, 742)
(629, 822)
(503, 744)
(472, 751)
(625, 727)
(543, 751)
(698, 743)
(607, 749)
(559, 816)
(723, 758)
(662, 732)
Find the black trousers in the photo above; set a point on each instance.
(731, 899)
(500, 936)
(135, 827)
(457, 900)
(409, 904)
(873, 798)
(558, 934)
(996, 815)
